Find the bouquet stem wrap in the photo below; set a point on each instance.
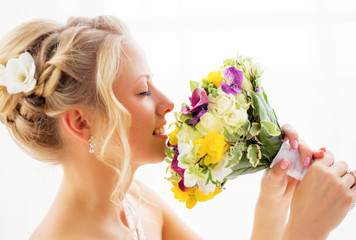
(227, 130)
(296, 169)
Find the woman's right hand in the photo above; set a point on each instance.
(321, 201)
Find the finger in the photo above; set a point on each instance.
(348, 180)
(339, 168)
(278, 172)
(323, 149)
(318, 154)
(292, 135)
(306, 153)
(328, 159)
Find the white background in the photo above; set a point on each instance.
(307, 48)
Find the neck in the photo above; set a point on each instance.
(88, 185)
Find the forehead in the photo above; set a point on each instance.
(134, 62)
(133, 66)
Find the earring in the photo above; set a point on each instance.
(91, 141)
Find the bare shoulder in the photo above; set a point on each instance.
(140, 190)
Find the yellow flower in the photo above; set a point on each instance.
(212, 146)
(215, 78)
(192, 195)
(173, 140)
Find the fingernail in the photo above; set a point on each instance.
(285, 139)
(295, 144)
(323, 149)
(306, 162)
(283, 165)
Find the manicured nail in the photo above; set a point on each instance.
(306, 162)
(285, 139)
(295, 144)
(323, 149)
(283, 165)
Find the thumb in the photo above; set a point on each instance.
(278, 171)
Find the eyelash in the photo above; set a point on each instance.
(146, 93)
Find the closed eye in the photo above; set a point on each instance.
(146, 93)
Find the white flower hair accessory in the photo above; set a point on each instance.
(19, 74)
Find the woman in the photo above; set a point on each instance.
(81, 95)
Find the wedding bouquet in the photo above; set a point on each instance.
(227, 130)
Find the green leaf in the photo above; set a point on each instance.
(255, 129)
(237, 153)
(244, 167)
(229, 62)
(245, 128)
(270, 128)
(169, 151)
(193, 85)
(185, 118)
(174, 178)
(247, 170)
(168, 160)
(271, 144)
(254, 154)
(231, 137)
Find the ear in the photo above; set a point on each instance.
(76, 122)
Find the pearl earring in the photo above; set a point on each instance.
(91, 144)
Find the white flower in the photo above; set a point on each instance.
(221, 104)
(18, 76)
(218, 174)
(187, 133)
(190, 178)
(206, 188)
(226, 111)
(209, 123)
(235, 118)
(185, 153)
(220, 171)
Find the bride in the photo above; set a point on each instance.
(81, 95)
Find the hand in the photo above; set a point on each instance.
(275, 184)
(277, 190)
(321, 200)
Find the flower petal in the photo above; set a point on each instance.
(234, 76)
(176, 168)
(15, 69)
(227, 89)
(197, 115)
(190, 179)
(199, 97)
(26, 59)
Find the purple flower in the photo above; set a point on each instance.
(198, 99)
(199, 102)
(180, 171)
(175, 147)
(234, 78)
(257, 90)
(198, 114)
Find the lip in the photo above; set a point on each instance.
(164, 123)
(164, 136)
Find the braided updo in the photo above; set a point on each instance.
(76, 65)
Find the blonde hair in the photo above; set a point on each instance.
(76, 66)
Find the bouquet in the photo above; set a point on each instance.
(227, 130)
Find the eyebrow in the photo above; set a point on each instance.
(148, 76)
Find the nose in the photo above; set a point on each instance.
(165, 105)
